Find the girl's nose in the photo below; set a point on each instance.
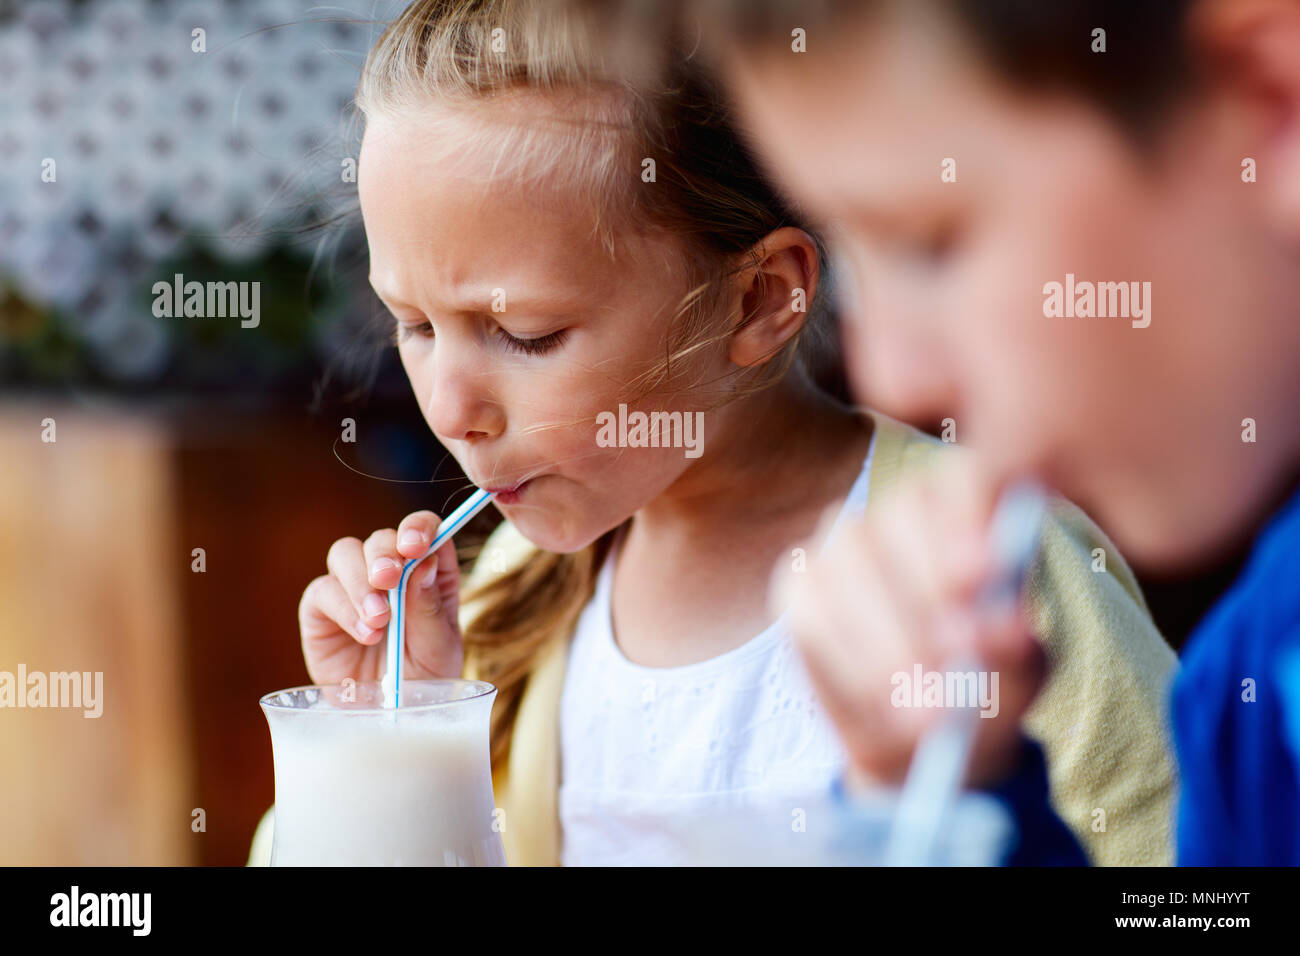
(463, 404)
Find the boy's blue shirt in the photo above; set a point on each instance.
(1236, 722)
(1041, 838)
(1236, 714)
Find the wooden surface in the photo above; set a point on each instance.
(87, 567)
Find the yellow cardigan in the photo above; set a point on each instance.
(1100, 718)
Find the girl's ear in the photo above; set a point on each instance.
(1253, 50)
(775, 295)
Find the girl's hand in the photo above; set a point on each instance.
(344, 614)
(897, 588)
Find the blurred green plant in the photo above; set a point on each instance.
(301, 311)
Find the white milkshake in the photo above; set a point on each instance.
(356, 785)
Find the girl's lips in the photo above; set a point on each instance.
(508, 496)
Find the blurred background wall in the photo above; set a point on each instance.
(228, 163)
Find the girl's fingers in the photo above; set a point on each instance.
(326, 609)
(346, 561)
(445, 579)
(383, 563)
(425, 590)
(415, 534)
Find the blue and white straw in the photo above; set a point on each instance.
(392, 681)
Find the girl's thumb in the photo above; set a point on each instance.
(425, 592)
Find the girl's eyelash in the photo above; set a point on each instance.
(405, 331)
(534, 346)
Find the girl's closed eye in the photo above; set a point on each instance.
(536, 345)
(406, 330)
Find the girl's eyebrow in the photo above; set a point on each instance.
(386, 298)
(546, 302)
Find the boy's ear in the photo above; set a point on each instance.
(775, 295)
(1254, 47)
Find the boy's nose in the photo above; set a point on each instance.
(895, 371)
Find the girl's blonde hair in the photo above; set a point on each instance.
(707, 191)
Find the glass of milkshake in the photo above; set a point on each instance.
(359, 784)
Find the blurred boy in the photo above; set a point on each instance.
(1075, 230)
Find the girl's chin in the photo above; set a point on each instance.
(542, 529)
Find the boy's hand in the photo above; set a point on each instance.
(896, 588)
(344, 614)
